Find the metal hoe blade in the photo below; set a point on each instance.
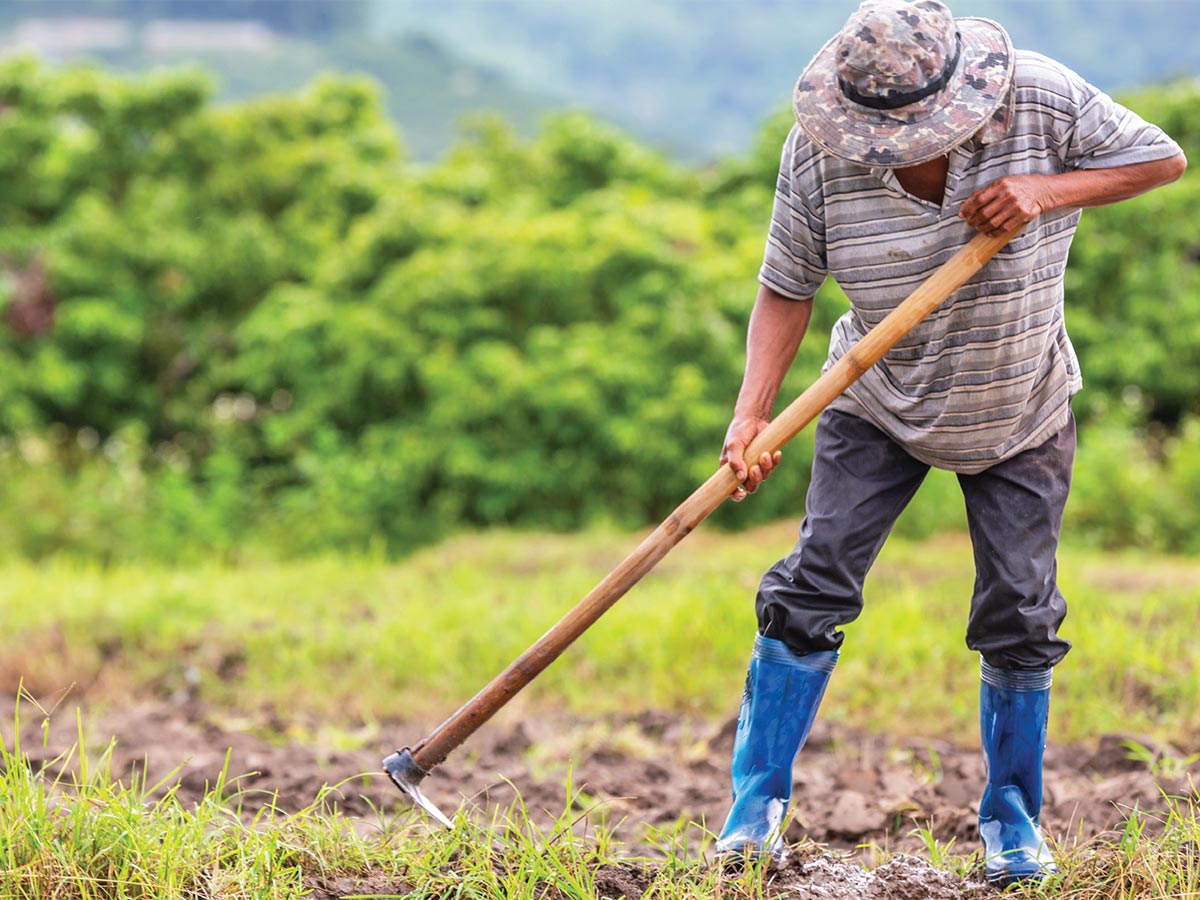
(407, 775)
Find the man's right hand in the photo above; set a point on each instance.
(743, 430)
(777, 325)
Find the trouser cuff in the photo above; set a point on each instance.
(771, 650)
(1015, 679)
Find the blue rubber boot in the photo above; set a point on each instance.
(1013, 706)
(782, 694)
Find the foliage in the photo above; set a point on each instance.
(260, 325)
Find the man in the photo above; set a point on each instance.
(914, 129)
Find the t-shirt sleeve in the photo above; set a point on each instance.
(794, 262)
(1102, 133)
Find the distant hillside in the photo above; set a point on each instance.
(695, 78)
(257, 47)
(699, 76)
(429, 89)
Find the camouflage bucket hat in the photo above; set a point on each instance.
(904, 82)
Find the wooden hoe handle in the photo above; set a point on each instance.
(695, 509)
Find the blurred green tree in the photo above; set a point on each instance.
(262, 325)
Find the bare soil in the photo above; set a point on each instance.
(645, 776)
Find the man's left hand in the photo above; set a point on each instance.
(1005, 204)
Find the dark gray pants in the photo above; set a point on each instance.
(861, 482)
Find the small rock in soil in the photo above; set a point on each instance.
(854, 815)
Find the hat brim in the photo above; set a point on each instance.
(916, 133)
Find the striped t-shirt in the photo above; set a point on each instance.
(990, 372)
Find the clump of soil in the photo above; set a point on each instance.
(816, 876)
(623, 882)
(642, 777)
(903, 877)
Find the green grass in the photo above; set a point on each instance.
(93, 838)
(85, 836)
(1136, 865)
(417, 638)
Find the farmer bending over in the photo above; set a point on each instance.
(914, 130)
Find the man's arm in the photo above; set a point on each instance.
(777, 326)
(1019, 199)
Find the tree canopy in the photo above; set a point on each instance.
(260, 324)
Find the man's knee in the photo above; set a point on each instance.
(804, 606)
(1014, 631)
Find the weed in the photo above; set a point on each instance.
(1159, 764)
(943, 855)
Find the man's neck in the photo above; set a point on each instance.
(926, 180)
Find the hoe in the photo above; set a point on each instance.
(408, 767)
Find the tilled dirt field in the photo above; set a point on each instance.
(647, 776)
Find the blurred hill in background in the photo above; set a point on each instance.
(695, 78)
(257, 47)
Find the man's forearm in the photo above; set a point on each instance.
(1097, 187)
(777, 326)
(1018, 199)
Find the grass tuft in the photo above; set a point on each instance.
(1155, 857)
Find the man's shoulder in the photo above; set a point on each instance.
(799, 147)
(1035, 71)
(808, 162)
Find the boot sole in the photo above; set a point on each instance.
(1010, 877)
